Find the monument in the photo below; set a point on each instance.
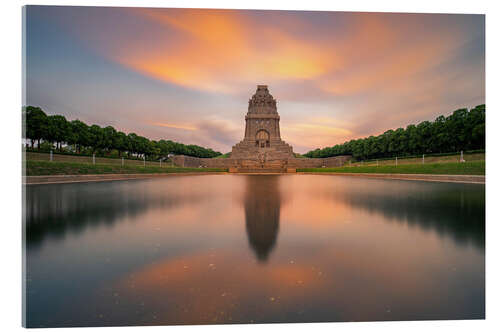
(262, 138)
(262, 149)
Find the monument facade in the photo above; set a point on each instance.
(262, 130)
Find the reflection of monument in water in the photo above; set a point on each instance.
(262, 213)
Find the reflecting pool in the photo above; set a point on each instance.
(253, 249)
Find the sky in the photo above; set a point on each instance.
(186, 74)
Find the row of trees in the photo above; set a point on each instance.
(462, 130)
(81, 138)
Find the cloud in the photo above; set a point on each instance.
(299, 134)
(219, 50)
(184, 127)
(222, 50)
(191, 71)
(213, 132)
(222, 133)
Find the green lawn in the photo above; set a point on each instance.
(43, 168)
(467, 168)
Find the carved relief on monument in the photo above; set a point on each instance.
(262, 98)
(262, 139)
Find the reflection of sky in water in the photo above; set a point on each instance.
(205, 249)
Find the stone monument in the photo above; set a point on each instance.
(262, 141)
(261, 149)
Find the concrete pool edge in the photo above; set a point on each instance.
(61, 179)
(470, 179)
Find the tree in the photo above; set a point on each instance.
(96, 138)
(132, 143)
(58, 130)
(80, 135)
(36, 124)
(463, 129)
(108, 136)
(120, 142)
(55, 128)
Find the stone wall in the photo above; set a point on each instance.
(195, 162)
(328, 162)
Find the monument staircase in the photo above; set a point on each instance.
(261, 166)
(262, 160)
(278, 149)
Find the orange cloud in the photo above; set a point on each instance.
(184, 127)
(394, 71)
(221, 50)
(217, 48)
(315, 131)
(352, 66)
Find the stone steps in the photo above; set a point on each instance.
(260, 170)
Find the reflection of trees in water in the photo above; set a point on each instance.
(456, 210)
(262, 203)
(55, 210)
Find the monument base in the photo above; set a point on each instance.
(259, 165)
(277, 150)
(244, 170)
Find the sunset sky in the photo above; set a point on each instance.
(186, 75)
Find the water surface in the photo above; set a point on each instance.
(253, 249)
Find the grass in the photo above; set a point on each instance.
(444, 158)
(467, 168)
(226, 155)
(83, 159)
(44, 168)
